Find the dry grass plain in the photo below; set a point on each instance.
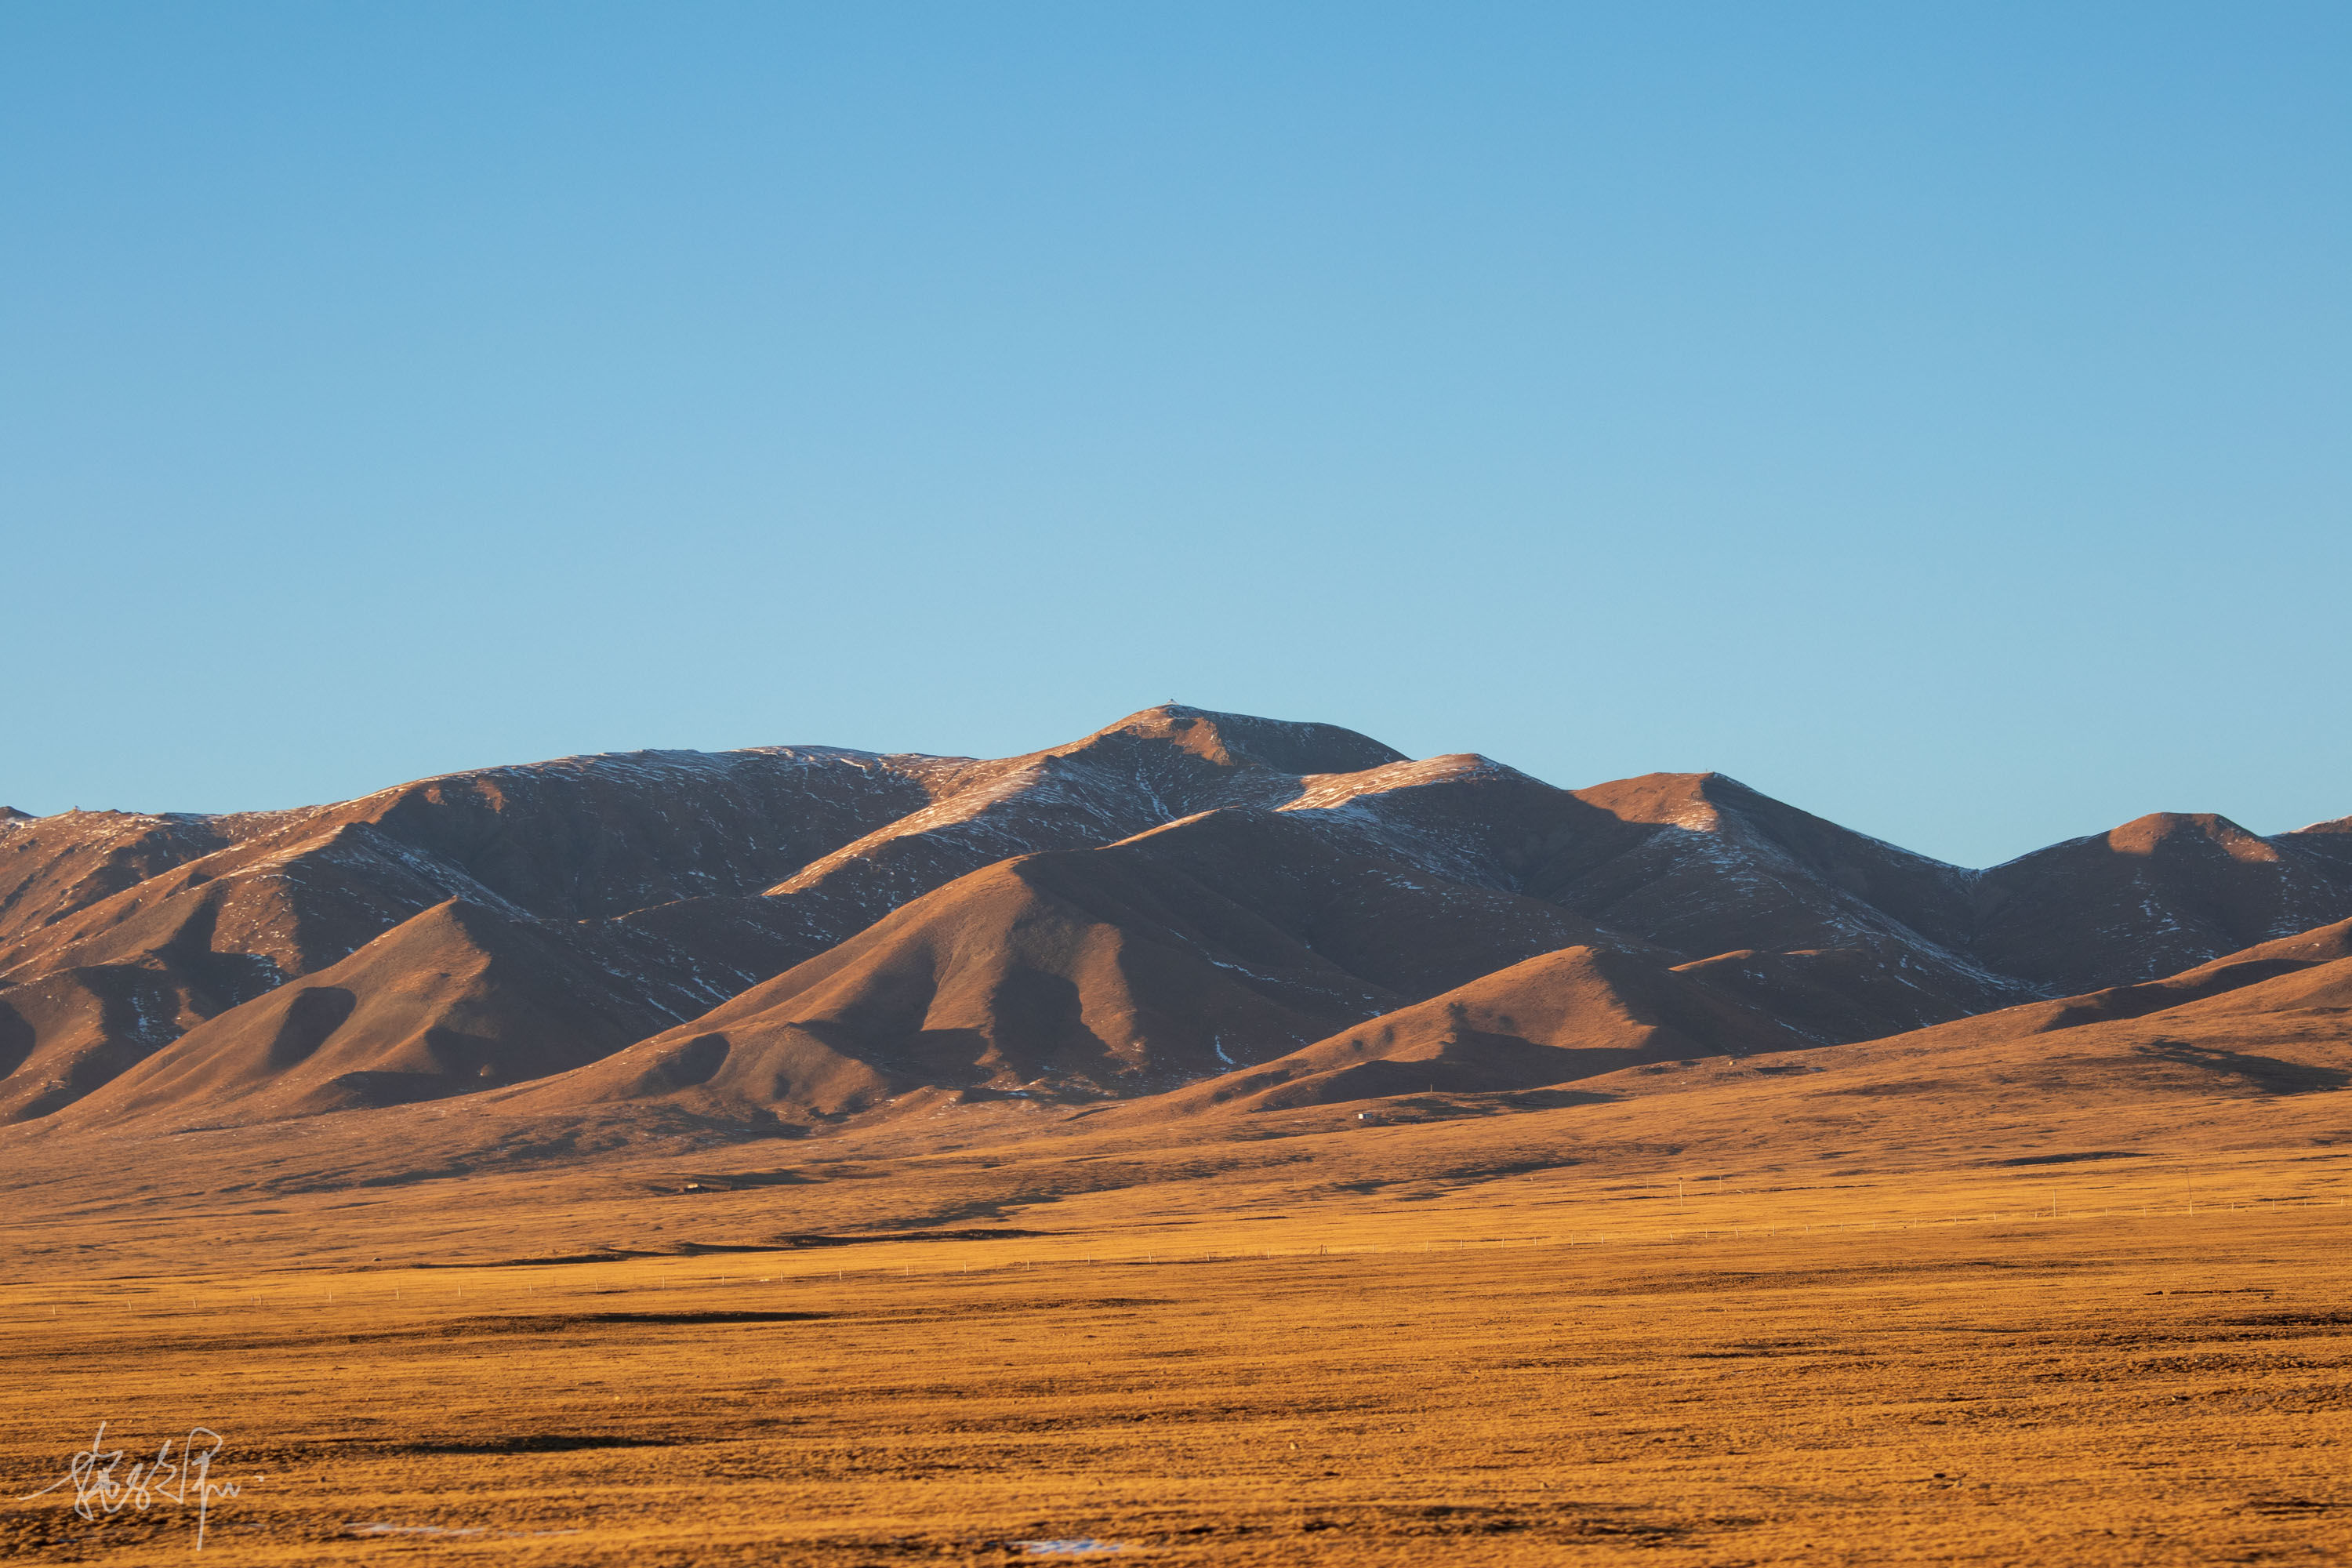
(1746, 1324)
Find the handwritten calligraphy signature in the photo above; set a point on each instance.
(97, 1488)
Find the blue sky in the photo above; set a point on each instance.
(1934, 415)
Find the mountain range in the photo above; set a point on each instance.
(1183, 913)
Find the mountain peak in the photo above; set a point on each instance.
(1675, 800)
(1232, 738)
(2150, 834)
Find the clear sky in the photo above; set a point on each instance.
(1933, 414)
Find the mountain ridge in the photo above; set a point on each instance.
(658, 890)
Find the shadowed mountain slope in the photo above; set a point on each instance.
(1697, 864)
(1547, 1020)
(1779, 853)
(1580, 1029)
(2280, 1038)
(2296, 971)
(1703, 865)
(2155, 896)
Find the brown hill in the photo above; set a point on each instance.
(1153, 767)
(214, 911)
(1579, 1014)
(2330, 841)
(71, 1030)
(2318, 994)
(455, 999)
(1031, 977)
(1548, 1020)
(677, 846)
(52, 865)
(572, 838)
(584, 836)
(1066, 976)
(2259, 978)
(2280, 1038)
(1821, 883)
(2272, 1023)
(1834, 994)
(1704, 865)
(1699, 864)
(2156, 896)
(200, 939)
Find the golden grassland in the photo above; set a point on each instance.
(2069, 1309)
(2057, 1363)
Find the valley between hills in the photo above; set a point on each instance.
(1215, 1138)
